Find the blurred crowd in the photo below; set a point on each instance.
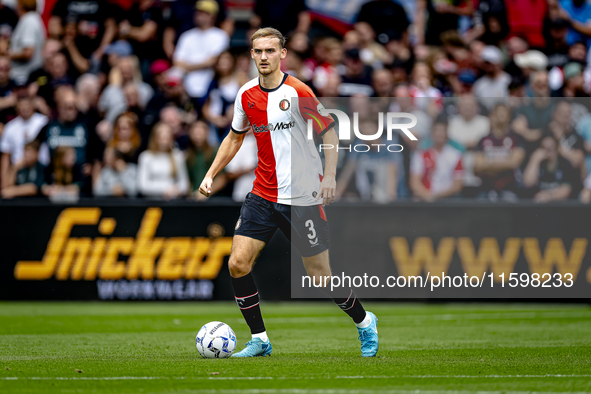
(131, 98)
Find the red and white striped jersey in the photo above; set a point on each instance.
(289, 168)
(438, 170)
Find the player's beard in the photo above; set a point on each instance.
(265, 71)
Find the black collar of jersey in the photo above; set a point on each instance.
(285, 75)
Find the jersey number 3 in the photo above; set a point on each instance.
(312, 236)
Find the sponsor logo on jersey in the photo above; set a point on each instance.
(273, 127)
(284, 105)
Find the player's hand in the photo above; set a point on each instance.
(205, 187)
(327, 190)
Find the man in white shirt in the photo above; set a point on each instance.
(198, 49)
(26, 43)
(467, 128)
(18, 132)
(494, 84)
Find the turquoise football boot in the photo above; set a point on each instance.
(255, 348)
(369, 337)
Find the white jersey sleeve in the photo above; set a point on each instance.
(240, 123)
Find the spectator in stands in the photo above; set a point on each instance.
(549, 174)
(173, 117)
(162, 171)
(173, 94)
(578, 14)
(87, 26)
(158, 70)
(64, 175)
(498, 158)
(26, 42)
(287, 16)
(495, 82)
(465, 130)
(556, 45)
(526, 19)
(222, 91)
(200, 156)
(17, 133)
(382, 16)
(327, 56)
(490, 22)
(113, 101)
(425, 96)
(58, 74)
(436, 17)
(356, 80)
(468, 127)
(8, 22)
(530, 119)
(375, 171)
(404, 102)
(68, 129)
(573, 82)
(570, 145)
(26, 177)
(118, 178)
(240, 170)
(142, 25)
(126, 137)
(7, 96)
(382, 83)
(198, 49)
(372, 53)
(437, 172)
(40, 80)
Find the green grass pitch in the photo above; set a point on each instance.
(149, 348)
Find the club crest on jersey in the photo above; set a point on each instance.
(284, 105)
(250, 105)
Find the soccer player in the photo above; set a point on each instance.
(263, 104)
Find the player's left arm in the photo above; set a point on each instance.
(331, 157)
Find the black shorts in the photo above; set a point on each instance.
(306, 227)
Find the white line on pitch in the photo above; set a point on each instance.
(288, 377)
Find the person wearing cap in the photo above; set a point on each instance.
(158, 70)
(531, 60)
(198, 49)
(495, 82)
(573, 82)
(172, 92)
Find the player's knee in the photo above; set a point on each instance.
(238, 267)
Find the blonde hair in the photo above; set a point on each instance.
(269, 32)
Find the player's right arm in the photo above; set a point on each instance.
(228, 149)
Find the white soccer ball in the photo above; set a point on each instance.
(215, 340)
